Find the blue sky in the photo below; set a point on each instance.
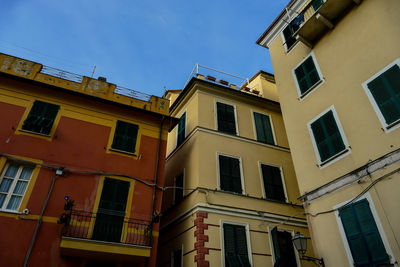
(142, 45)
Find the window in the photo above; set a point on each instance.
(177, 258)
(13, 184)
(229, 174)
(41, 117)
(383, 90)
(263, 128)
(307, 76)
(284, 254)
(111, 211)
(181, 129)
(125, 137)
(327, 137)
(235, 246)
(363, 237)
(288, 32)
(226, 118)
(272, 180)
(178, 190)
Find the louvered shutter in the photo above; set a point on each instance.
(306, 75)
(317, 3)
(125, 136)
(263, 128)
(179, 191)
(181, 129)
(41, 117)
(226, 118)
(275, 244)
(386, 91)
(273, 183)
(230, 179)
(235, 246)
(178, 258)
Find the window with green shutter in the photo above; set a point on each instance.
(178, 191)
(181, 129)
(307, 75)
(41, 117)
(177, 258)
(283, 248)
(235, 246)
(362, 235)
(229, 174)
(327, 136)
(263, 128)
(273, 186)
(385, 90)
(125, 137)
(226, 118)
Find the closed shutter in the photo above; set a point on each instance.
(179, 191)
(181, 129)
(317, 4)
(235, 246)
(125, 136)
(226, 118)
(263, 128)
(327, 136)
(306, 75)
(177, 258)
(230, 179)
(276, 247)
(41, 117)
(362, 235)
(386, 91)
(273, 186)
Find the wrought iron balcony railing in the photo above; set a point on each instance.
(108, 227)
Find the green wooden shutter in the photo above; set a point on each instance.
(273, 183)
(306, 75)
(181, 129)
(235, 246)
(263, 128)
(41, 117)
(178, 191)
(362, 235)
(125, 136)
(327, 136)
(226, 118)
(276, 247)
(178, 258)
(316, 4)
(230, 179)
(386, 91)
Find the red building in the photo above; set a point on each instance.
(82, 165)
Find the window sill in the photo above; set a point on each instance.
(301, 97)
(288, 50)
(393, 124)
(11, 211)
(31, 132)
(333, 158)
(123, 152)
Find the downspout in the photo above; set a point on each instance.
(28, 253)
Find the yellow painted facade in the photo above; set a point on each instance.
(361, 46)
(197, 158)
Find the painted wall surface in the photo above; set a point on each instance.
(80, 140)
(362, 43)
(184, 223)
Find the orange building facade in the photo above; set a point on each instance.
(81, 165)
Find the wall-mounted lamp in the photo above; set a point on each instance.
(300, 243)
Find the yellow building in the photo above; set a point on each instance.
(336, 65)
(230, 153)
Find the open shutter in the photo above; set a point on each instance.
(386, 91)
(275, 244)
(273, 183)
(226, 118)
(263, 128)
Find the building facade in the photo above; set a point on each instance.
(82, 165)
(231, 193)
(336, 65)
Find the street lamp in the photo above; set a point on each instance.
(300, 243)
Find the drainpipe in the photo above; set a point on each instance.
(156, 174)
(28, 253)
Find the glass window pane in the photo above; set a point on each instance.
(11, 171)
(14, 203)
(26, 173)
(20, 188)
(5, 185)
(2, 198)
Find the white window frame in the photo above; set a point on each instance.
(270, 121)
(177, 128)
(173, 258)
(14, 183)
(271, 243)
(333, 159)
(386, 127)
(378, 225)
(316, 85)
(248, 240)
(216, 115)
(288, 50)
(183, 185)
(241, 172)
(262, 179)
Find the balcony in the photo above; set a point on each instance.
(105, 236)
(319, 16)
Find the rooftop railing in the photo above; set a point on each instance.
(132, 93)
(62, 74)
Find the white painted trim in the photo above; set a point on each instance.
(254, 124)
(372, 99)
(378, 225)
(316, 85)
(216, 114)
(183, 185)
(177, 127)
(282, 178)
(339, 125)
(246, 226)
(271, 243)
(287, 51)
(241, 171)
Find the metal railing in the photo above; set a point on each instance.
(132, 93)
(62, 74)
(308, 10)
(108, 227)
